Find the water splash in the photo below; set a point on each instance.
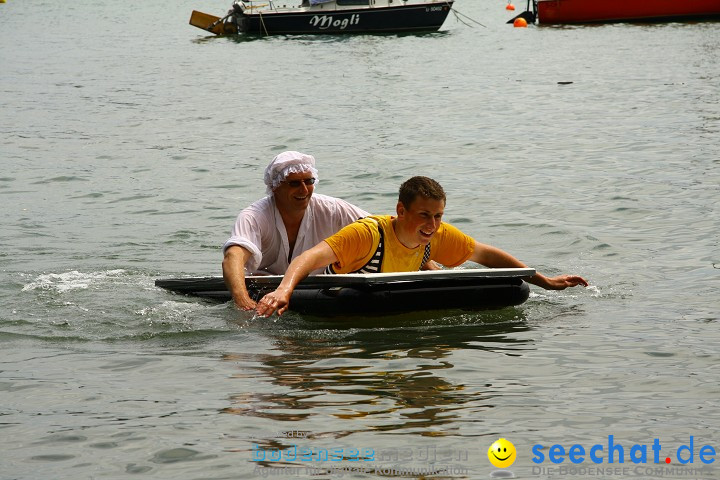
(73, 280)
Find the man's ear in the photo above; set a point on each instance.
(400, 209)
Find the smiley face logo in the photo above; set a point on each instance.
(502, 453)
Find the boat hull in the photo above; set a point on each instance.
(391, 19)
(595, 11)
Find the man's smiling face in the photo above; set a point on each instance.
(294, 193)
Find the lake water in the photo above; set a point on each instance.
(130, 141)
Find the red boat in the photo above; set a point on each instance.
(592, 11)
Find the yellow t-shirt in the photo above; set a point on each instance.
(355, 245)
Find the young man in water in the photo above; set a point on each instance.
(268, 234)
(403, 243)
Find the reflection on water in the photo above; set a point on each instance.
(409, 380)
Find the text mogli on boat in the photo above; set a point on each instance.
(268, 17)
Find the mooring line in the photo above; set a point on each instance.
(471, 19)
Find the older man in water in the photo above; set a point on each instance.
(401, 243)
(274, 230)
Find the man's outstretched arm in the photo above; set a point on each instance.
(494, 257)
(319, 256)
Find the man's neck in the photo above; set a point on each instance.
(292, 219)
(399, 235)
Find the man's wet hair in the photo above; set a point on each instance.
(420, 186)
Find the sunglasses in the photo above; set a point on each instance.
(297, 183)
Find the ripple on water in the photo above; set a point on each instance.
(58, 457)
(175, 455)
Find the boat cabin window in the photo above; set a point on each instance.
(353, 2)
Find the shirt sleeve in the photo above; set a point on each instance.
(453, 247)
(353, 246)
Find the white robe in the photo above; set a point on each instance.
(259, 228)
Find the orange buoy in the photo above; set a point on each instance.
(510, 6)
(520, 23)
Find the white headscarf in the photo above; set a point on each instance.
(285, 164)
